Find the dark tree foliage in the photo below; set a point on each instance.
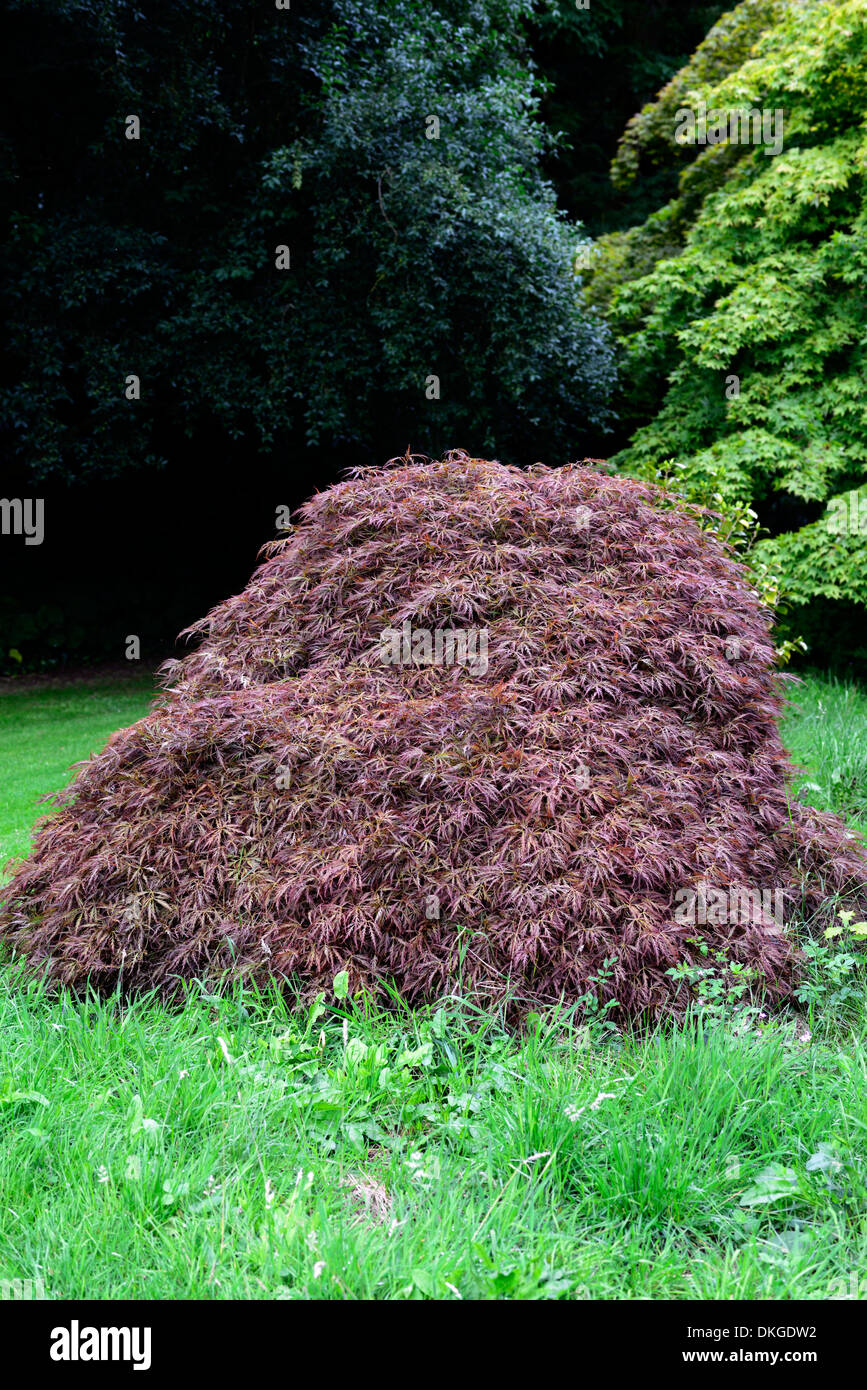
(294, 804)
(410, 257)
(600, 65)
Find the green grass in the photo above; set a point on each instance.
(240, 1148)
(43, 731)
(234, 1150)
(825, 731)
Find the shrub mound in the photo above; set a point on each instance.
(296, 806)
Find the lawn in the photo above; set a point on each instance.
(240, 1148)
(43, 731)
(825, 731)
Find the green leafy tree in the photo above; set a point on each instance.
(415, 251)
(741, 305)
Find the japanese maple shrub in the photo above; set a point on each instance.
(466, 723)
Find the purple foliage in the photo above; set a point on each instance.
(294, 806)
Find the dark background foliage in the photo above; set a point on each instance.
(602, 64)
(409, 257)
